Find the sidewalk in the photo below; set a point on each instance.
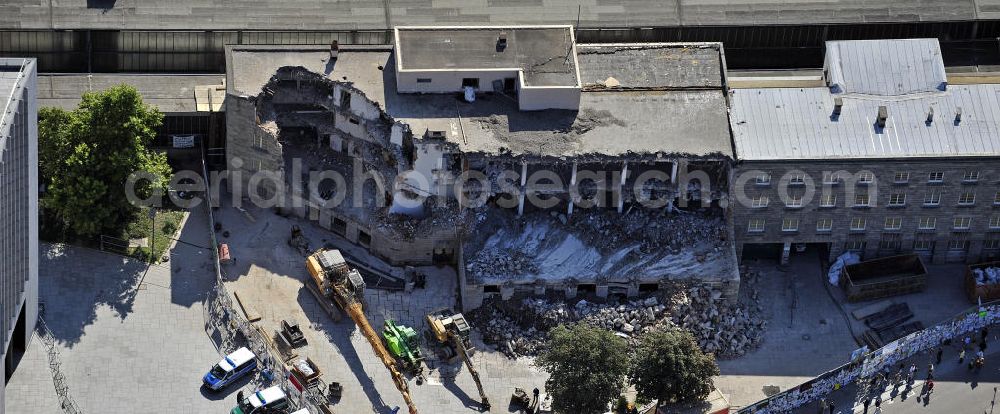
(949, 377)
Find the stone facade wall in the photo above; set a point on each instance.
(881, 190)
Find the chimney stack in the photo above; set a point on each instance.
(883, 115)
(838, 105)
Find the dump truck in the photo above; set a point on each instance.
(883, 277)
(336, 280)
(453, 330)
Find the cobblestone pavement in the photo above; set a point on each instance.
(125, 347)
(269, 275)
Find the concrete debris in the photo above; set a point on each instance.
(518, 328)
(499, 263)
(654, 229)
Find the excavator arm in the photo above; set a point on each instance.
(459, 346)
(353, 309)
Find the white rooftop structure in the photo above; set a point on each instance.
(885, 67)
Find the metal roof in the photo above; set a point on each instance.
(885, 67)
(798, 123)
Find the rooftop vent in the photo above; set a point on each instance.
(838, 105)
(502, 42)
(958, 115)
(930, 116)
(883, 114)
(435, 134)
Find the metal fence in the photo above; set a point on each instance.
(224, 320)
(870, 363)
(66, 401)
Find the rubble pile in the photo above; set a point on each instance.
(727, 330)
(652, 228)
(494, 262)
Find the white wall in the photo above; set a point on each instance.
(538, 98)
(449, 81)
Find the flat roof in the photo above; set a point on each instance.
(168, 93)
(12, 78)
(798, 123)
(544, 54)
(652, 65)
(609, 123)
(365, 14)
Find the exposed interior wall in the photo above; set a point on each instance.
(534, 98)
(450, 81)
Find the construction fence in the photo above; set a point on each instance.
(870, 363)
(226, 323)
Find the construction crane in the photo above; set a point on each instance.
(453, 329)
(337, 280)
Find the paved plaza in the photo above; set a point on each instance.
(130, 337)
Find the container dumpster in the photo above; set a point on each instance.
(984, 288)
(883, 277)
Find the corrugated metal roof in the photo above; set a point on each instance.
(885, 67)
(794, 123)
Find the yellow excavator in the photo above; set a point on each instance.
(452, 329)
(344, 285)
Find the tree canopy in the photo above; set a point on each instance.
(86, 156)
(586, 367)
(668, 366)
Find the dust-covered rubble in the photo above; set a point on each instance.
(519, 328)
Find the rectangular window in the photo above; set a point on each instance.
(345, 100)
(935, 177)
(967, 198)
(861, 200)
(996, 199)
(958, 244)
(923, 245)
(797, 179)
(828, 200)
(760, 201)
(891, 241)
(756, 225)
(794, 202)
(991, 244)
(855, 245)
(831, 178)
(424, 80)
(901, 177)
(897, 199)
(893, 223)
(866, 177)
(858, 223)
(354, 120)
(764, 179)
(824, 225)
(995, 223)
(790, 224)
(970, 176)
(932, 198)
(927, 223)
(962, 223)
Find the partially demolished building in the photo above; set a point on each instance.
(534, 163)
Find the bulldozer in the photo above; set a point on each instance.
(404, 344)
(453, 330)
(338, 281)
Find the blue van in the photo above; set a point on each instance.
(231, 368)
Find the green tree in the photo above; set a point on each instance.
(86, 156)
(586, 367)
(669, 367)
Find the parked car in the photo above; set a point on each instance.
(269, 400)
(231, 368)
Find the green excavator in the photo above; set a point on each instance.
(404, 344)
